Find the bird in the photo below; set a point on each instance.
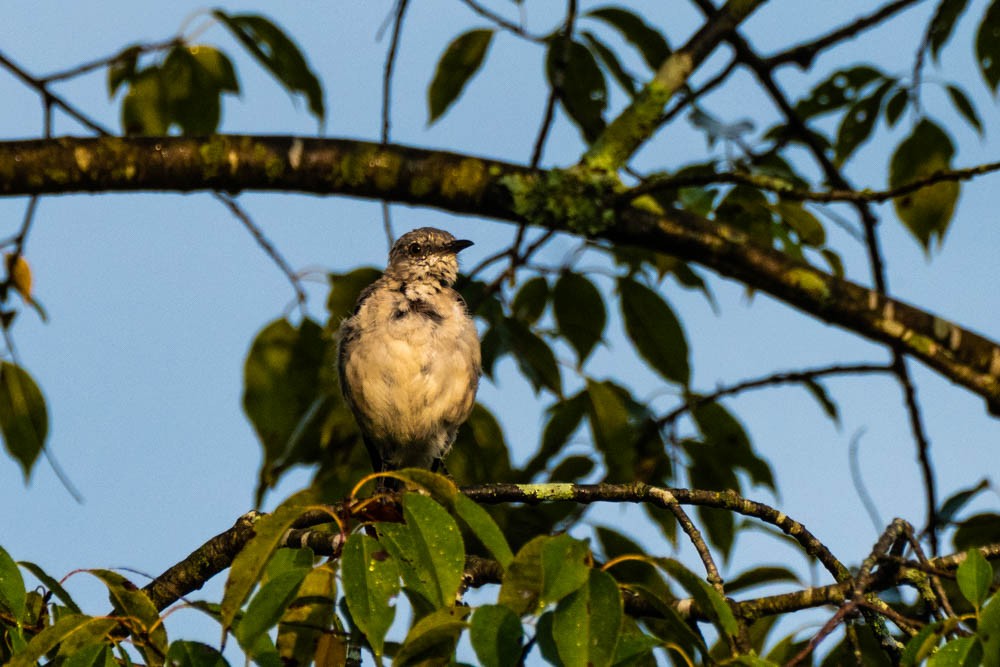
(409, 358)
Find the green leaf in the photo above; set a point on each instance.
(370, 577)
(634, 646)
(974, 577)
(977, 531)
(74, 630)
(194, 654)
(707, 598)
(988, 630)
(496, 635)
(580, 313)
(345, 288)
(579, 85)
(275, 51)
(896, 105)
(609, 425)
(268, 605)
(52, 584)
(216, 67)
(460, 61)
(307, 627)
(564, 419)
(122, 68)
(566, 565)
(857, 124)
(143, 619)
(961, 652)
(839, 90)
(722, 430)
(12, 593)
(95, 655)
(822, 397)
(24, 420)
(484, 528)
(281, 383)
(965, 107)
(921, 644)
(988, 45)
(432, 639)
(805, 225)
(522, 580)
(586, 625)
(145, 109)
(480, 454)
(534, 357)
(654, 330)
(611, 62)
(957, 501)
(250, 563)
(926, 212)
(438, 549)
(530, 301)
(649, 42)
(943, 24)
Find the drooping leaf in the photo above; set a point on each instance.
(77, 630)
(977, 531)
(121, 69)
(988, 45)
(432, 639)
(522, 580)
(496, 635)
(580, 313)
(273, 49)
(646, 39)
(822, 396)
(586, 624)
(564, 419)
(611, 62)
(760, 575)
(722, 430)
(310, 621)
(579, 84)
(24, 419)
(480, 454)
(609, 425)
(635, 647)
(805, 225)
(974, 575)
(145, 109)
(943, 24)
(964, 106)
(52, 585)
(957, 501)
(654, 330)
(143, 619)
(438, 548)
(534, 357)
(838, 90)
(370, 577)
(896, 105)
(194, 654)
(484, 528)
(926, 212)
(12, 593)
(708, 599)
(566, 564)
(268, 605)
(250, 563)
(858, 122)
(530, 301)
(460, 61)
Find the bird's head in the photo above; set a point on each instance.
(426, 254)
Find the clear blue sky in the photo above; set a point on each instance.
(154, 299)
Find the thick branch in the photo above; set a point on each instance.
(472, 185)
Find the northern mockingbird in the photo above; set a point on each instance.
(409, 356)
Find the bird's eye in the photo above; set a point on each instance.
(415, 249)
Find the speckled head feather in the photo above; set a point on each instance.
(425, 254)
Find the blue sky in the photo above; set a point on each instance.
(154, 299)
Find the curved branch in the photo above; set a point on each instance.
(473, 185)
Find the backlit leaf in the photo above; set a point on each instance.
(24, 419)
(566, 564)
(194, 654)
(579, 311)
(928, 211)
(496, 635)
(484, 528)
(974, 575)
(654, 330)
(460, 61)
(432, 639)
(438, 548)
(586, 624)
(370, 577)
(522, 580)
(12, 593)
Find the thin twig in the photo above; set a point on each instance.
(258, 235)
(106, 61)
(859, 482)
(689, 96)
(803, 54)
(769, 380)
(501, 22)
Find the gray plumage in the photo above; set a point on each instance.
(409, 356)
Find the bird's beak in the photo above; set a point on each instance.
(459, 245)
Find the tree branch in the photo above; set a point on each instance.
(472, 185)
